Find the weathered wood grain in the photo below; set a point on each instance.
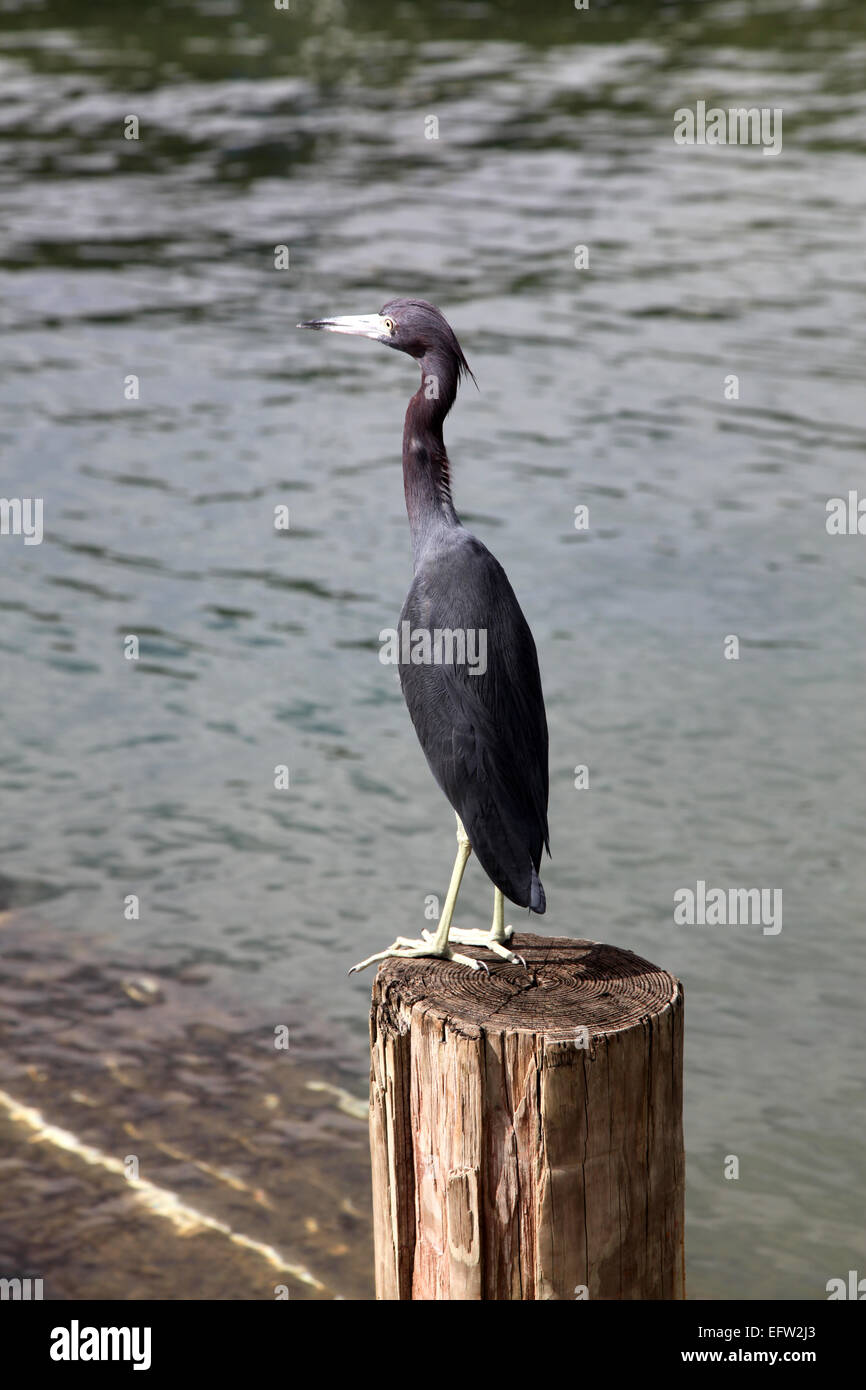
(526, 1127)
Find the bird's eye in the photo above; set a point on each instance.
(390, 325)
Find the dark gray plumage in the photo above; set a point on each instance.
(484, 735)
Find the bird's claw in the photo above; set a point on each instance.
(407, 948)
(474, 937)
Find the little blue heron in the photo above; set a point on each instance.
(483, 731)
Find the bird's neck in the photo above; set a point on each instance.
(426, 473)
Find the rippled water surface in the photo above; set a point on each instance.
(602, 386)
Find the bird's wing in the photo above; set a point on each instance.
(484, 734)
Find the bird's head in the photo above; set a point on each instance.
(409, 325)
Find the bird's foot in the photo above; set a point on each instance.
(465, 936)
(409, 948)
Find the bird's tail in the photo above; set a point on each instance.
(537, 900)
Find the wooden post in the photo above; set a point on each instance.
(526, 1127)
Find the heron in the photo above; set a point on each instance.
(483, 731)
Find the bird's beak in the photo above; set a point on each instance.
(361, 325)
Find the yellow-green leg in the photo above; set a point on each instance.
(435, 944)
(496, 938)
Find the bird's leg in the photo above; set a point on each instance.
(496, 938)
(498, 931)
(405, 948)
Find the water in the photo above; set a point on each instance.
(602, 386)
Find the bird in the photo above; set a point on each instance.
(483, 731)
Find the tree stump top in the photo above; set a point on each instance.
(568, 984)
